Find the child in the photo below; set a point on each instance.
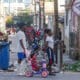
(34, 62)
(50, 46)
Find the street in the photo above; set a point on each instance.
(59, 76)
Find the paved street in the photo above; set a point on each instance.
(59, 76)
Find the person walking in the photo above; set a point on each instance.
(50, 49)
(21, 44)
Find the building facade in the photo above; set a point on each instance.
(72, 29)
(48, 11)
(10, 8)
(13, 6)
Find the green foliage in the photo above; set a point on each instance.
(25, 17)
(9, 22)
(73, 67)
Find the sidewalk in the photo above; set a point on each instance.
(67, 60)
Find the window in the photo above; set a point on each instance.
(6, 9)
(66, 18)
(72, 39)
(5, 1)
(20, 1)
(19, 8)
(11, 1)
(49, 0)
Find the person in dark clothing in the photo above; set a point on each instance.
(50, 47)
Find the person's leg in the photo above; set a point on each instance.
(49, 58)
(52, 56)
(19, 66)
(21, 56)
(19, 61)
(48, 55)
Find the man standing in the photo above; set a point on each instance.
(21, 44)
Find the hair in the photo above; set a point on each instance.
(21, 25)
(47, 31)
(32, 55)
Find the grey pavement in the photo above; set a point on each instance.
(67, 60)
(59, 76)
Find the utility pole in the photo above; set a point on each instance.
(39, 15)
(35, 17)
(42, 14)
(9, 7)
(59, 56)
(56, 19)
(55, 27)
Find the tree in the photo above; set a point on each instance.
(9, 21)
(25, 17)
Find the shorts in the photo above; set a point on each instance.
(21, 55)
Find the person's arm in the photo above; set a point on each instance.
(22, 45)
(46, 44)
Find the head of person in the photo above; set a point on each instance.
(45, 31)
(22, 26)
(49, 32)
(33, 55)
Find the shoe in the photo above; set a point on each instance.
(11, 66)
(15, 69)
(20, 74)
(52, 74)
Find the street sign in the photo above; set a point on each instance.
(76, 7)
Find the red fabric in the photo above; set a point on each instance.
(50, 62)
(34, 63)
(1, 34)
(37, 33)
